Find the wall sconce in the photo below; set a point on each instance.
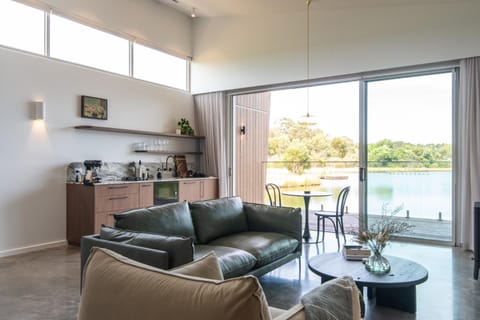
(38, 112)
(242, 130)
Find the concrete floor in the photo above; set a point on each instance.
(45, 284)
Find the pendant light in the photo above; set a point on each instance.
(308, 118)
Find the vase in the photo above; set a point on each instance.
(377, 263)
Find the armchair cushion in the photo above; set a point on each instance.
(266, 247)
(179, 249)
(216, 218)
(119, 288)
(206, 267)
(172, 219)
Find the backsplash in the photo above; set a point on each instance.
(118, 171)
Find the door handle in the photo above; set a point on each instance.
(362, 174)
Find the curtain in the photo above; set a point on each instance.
(468, 147)
(210, 119)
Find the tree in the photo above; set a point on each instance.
(341, 145)
(298, 159)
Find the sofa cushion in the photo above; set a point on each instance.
(119, 288)
(233, 262)
(179, 249)
(172, 219)
(217, 218)
(205, 267)
(266, 247)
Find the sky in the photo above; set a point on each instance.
(412, 109)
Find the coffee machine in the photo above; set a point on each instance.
(92, 168)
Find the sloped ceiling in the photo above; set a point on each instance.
(219, 8)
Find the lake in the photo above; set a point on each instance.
(424, 194)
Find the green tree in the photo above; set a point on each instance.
(298, 159)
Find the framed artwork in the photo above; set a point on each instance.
(94, 108)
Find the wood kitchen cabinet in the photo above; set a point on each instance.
(88, 207)
(196, 190)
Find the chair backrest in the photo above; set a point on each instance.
(342, 200)
(274, 195)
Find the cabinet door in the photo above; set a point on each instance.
(209, 189)
(145, 198)
(189, 191)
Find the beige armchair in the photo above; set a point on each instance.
(115, 287)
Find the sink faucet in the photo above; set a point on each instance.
(174, 173)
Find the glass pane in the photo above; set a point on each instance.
(22, 26)
(318, 153)
(78, 43)
(410, 152)
(155, 66)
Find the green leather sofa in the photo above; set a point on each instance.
(247, 238)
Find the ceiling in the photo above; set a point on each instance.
(220, 8)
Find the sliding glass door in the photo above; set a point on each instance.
(408, 152)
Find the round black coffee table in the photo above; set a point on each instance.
(396, 289)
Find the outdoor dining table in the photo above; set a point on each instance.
(306, 198)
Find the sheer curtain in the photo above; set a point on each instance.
(468, 147)
(210, 119)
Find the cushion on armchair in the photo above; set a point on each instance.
(119, 288)
(216, 218)
(172, 219)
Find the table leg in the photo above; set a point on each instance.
(306, 230)
(404, 299)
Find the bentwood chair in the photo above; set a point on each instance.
(335, 217)
(274, 194)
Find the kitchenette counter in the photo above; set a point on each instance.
(145, 181)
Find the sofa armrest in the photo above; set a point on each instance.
(265, 218)
(155, 258)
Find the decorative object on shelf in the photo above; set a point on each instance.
(185, 127)
(377, 236)
(94, 108)
(181, 165)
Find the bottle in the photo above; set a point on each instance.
(77, 176)
(159, 174)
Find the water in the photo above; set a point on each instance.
(424, 194)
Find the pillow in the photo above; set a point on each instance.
(205, 267)
(217, 218)
(171, 219)
(180, 250)
(119, 288)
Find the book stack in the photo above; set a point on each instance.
(355, 252)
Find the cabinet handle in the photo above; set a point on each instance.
(118, 198)
(118, 187)
(189, 182)
(145, 185)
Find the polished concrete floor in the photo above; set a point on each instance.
(45, 284)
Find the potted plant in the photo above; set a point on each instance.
(185, 127)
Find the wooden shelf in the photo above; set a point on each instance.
(139, 132)
(170, 152)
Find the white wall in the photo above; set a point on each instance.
(231, 53)
(34, 155)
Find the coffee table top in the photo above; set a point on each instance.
(403, 273)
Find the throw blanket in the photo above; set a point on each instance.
(337, 299)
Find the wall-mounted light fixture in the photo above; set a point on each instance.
(38, 112)
(194, 13)
(242, 130)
